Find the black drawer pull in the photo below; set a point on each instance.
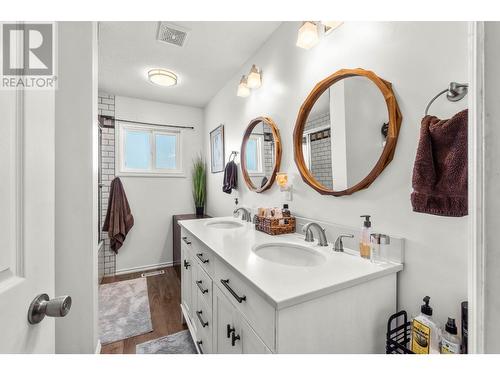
(186, 241)
(229, 330)
(198, 314)
(234, 338)
(237, 297)
(200, 257)
(203, 291)
(186, 264)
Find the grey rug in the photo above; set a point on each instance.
(124, 310)
(177, 343)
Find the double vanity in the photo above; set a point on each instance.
(244, 291)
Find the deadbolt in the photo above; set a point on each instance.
(42, 305)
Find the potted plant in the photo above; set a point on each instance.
(199, 184)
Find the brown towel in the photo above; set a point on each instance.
(230, 177)
(440, 171)
(119, 219)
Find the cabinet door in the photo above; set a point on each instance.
(186, 281)
(224, 314)
(249, 342)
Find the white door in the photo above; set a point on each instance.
(26, 218)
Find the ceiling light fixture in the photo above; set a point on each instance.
(243, 90)
(254, 79)
(308, 35)
(162, 77)
(331, 25)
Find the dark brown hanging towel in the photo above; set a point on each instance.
(119, 218)
(440, 171)
(230, 177)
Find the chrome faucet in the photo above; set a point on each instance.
(339, 245)
(246, 215)
(307, 229)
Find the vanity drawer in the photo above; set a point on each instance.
(204, 287)
(203, 255)
(202, 317)
(256, 310)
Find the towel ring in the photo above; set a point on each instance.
(454, 93)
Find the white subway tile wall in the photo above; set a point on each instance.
(106, 107)
(321, 151)
(268, 158)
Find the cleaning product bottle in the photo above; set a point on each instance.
(364, 243)
(450, 343)
(424, 332)
(465, 326)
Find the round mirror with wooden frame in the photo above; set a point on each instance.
(260, 154)
(346, 132)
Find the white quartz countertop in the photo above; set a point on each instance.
(285, 285)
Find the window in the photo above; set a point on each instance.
(148, 151)
(254, 155)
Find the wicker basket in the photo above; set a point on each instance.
(275, 226)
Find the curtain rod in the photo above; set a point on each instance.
(151, 123)
(111, 118)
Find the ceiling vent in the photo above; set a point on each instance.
(172, 34)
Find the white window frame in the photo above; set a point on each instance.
(259, 172)
(152, 171)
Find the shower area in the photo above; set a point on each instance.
(106, 173)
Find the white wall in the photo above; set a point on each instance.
(492, 187)
(153, 200)
(76, 185)
(419, 59)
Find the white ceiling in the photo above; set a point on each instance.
(212, 54)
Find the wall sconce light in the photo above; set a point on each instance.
(308, 35)
(254, 80)
(282, 181)
(243, 90)
(309, 32)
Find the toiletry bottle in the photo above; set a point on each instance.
(375, 247)
(378, 251)
(424, 332)
(364, 243)
(286, 213)
(450, 343)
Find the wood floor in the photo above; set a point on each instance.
(164, 300)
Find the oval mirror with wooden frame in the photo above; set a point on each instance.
(346, 132)
(260, 154)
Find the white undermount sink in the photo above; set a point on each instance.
(290, 254)
(224, 224)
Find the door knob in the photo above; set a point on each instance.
(42, 305)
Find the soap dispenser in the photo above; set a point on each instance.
(364, 242)
(425, 332)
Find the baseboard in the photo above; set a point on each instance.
(143, 268)
(98, 347)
